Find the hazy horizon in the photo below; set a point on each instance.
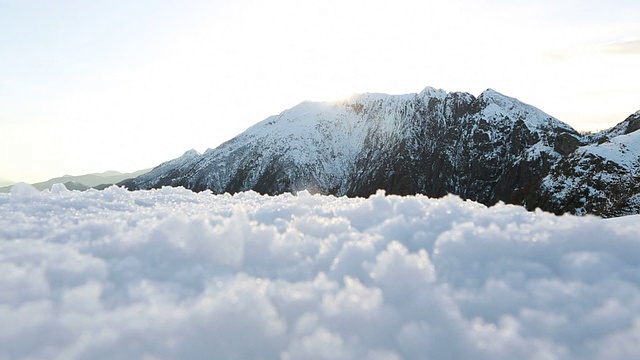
(87, 87)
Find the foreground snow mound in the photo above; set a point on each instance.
(174, 274)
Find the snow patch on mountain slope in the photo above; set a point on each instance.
(622, 149)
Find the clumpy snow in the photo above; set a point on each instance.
(174, 274)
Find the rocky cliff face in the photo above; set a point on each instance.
(601, 178)
(488, 149)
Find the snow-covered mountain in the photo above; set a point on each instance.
(488, 148)
(601, 177)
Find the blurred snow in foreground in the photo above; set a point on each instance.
(174, 274)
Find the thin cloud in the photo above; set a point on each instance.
(623, 48)
(619, 48)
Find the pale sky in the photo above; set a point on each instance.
(96, 85)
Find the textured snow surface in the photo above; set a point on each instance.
(180, 275)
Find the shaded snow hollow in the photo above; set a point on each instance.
(174, 274)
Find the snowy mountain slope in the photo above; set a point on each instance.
(601, 179)
(476, 148)
(623, 150)
(488, 149)
(629, 125)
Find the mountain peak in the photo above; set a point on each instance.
(191, 153)
(494, 95)
(432, 92)
(499, 106)
(353, 147)
(487, 149)
(108, 173)
(507, 103)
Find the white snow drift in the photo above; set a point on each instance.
(174, 274)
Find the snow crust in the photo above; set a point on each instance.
(174, 274)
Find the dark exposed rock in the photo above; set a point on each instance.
(565, 144)
(634, 123)
(584, 183)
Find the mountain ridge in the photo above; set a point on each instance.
(83, 182)
(488, 148)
